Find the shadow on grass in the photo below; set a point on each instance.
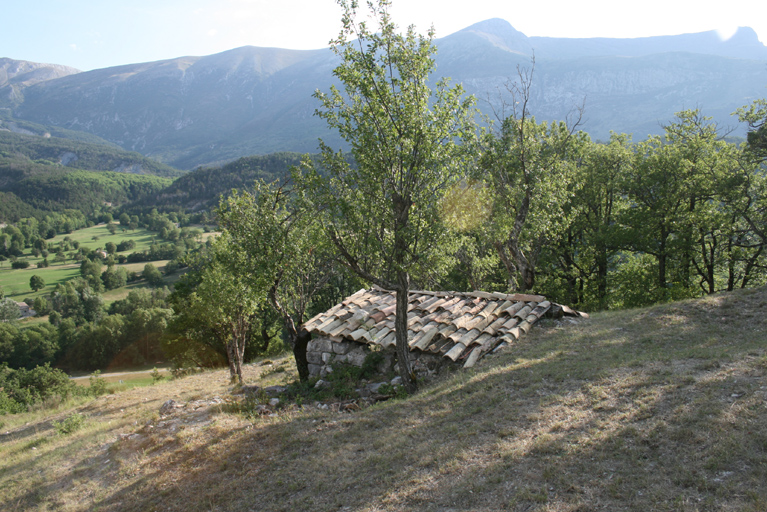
(656, 409)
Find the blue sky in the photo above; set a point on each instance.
(89, 34)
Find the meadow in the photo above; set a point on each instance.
(15, 282)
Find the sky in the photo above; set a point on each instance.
(90, 34)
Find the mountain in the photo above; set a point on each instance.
(17, 75)
(194, 111)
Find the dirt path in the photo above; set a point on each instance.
(112, 375)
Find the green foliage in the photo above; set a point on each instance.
(383, 214)
(97, 385)
(22, 388)
(207, 187)
(19, 264)
(152, 275)
(36, 283)
(281, 255)
(156, 376)
(70, 424)
(215, 310)
(114, 277)
(22, 150)
(8, 310)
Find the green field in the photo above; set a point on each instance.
(15, 282)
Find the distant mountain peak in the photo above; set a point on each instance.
(500, 33)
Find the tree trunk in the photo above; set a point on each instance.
(230, 358)
(400, 328)
(299, 341)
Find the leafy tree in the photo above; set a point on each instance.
(91, 272)
(287, 260)
(755, 116)
(36, 283)
(531, 169)
(8, 310)
(382, 214)
(216, 308)
(75, 299)
(114, 277)
(152, 275)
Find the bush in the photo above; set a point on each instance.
(23, 388)
(98, 386)
(20, 264)
(71, 423)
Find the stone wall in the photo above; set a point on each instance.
(322, 352)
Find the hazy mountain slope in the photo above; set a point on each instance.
(79, 155)
(195, 111)
(16, 75)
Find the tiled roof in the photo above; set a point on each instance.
(460, 326)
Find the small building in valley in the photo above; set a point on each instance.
(443, 327)
(25, 310)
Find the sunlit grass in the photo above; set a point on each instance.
(660, 408)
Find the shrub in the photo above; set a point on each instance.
(71, 423)
(20, 264)
(98, 386)
(23, 388)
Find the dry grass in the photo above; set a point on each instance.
(662, 408)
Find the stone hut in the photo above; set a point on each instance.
(443, 327)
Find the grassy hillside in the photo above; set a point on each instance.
(663, 408)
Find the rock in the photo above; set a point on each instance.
(314, 357)
(326, 357)
(396, 381)
(342, 347)
(250, 390)
(375, 387)
(322, 384)
(320, 345)
(314, 369)
(274, 402)
(356, 356)
(275, 390)
(169, 407)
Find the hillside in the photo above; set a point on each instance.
(662, 408)
(203, 188)
(199, 111)
(76, 154)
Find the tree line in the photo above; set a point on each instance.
(429, 199)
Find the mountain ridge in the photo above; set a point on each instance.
(193, 111)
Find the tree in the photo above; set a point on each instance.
(114, 277)
(152, 275)
(382, 213)
(531, 168)
(8, 310)
(36, 283)
(755, 116)
(214, 305)
(287, 261)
